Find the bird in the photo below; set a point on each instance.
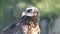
(27, 23)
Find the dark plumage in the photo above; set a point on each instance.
(27, 24)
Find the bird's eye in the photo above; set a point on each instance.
(29, 10)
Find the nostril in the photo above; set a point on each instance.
(29, 10)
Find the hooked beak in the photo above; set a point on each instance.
(30, 11)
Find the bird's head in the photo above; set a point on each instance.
(30, 11)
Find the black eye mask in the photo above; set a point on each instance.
(29, 10)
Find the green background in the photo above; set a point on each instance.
(11, 10)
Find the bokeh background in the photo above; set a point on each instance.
(11, 10)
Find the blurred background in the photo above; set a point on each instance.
(11, 10)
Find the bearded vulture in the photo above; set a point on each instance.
(27, 24)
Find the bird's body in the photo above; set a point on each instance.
(27, 24)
